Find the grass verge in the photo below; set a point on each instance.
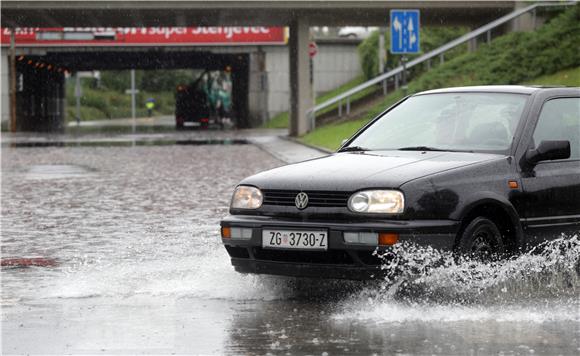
(568, 77)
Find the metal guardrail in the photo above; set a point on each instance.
(426, 57)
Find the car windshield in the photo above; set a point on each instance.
(473, 122)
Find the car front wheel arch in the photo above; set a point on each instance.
(495, 213)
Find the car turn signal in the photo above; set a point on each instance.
(388, 238)
(226, 232)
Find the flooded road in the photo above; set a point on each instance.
(141, 269)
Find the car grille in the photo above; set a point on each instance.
(318, 198)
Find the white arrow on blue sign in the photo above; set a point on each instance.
(405, 27)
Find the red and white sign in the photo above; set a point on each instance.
(312, 49)
(144, 36)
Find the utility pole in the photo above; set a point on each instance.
(133, 103)
(382, 57)
(381, 50)
(404, 64)
(13, 125)
(78, 95)
(133, 93)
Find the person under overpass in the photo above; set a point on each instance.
(150, 105)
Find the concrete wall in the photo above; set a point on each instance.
(278, 79)
(334, 65)
(257, 89)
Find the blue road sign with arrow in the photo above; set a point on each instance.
(405, 31)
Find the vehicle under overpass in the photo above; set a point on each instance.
(297, 15)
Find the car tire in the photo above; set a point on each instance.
(481, 240)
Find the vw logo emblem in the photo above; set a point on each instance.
(301, 200)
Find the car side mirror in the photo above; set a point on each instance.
(548, 151)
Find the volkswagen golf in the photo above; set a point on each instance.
(478, 171)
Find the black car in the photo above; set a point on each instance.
(191, 107)
(480, 171)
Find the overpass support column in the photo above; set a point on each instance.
(525, 22)
(472, 45)
(300, 86)
(5, 89)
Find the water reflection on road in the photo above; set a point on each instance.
(141, 270)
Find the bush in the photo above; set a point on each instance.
(514, 58)
(93, 99)
(165, 80)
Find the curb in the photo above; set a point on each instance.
(270, 152)
(295, 140)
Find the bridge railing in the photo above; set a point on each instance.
(438, 52)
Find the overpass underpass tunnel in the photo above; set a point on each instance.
(180, 89)
(39, 94)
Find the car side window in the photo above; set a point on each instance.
(560, 120)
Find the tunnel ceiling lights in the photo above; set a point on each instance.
(43, 65)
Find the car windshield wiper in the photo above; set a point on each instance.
(427, 148)
(421, 148)
(353, 149)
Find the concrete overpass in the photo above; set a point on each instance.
(297, 15)
(260, 77)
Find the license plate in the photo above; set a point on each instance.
(295, 239)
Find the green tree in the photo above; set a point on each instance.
(165, 80)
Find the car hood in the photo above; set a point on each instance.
(351, 171)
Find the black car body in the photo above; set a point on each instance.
(509, 193)
(191, 107)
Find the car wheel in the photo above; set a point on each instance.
(481, 240)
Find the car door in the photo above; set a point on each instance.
(551, 189)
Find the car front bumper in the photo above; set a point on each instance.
(342, 260)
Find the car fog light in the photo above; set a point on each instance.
(241, 233)
(351, 237)
(364, 238)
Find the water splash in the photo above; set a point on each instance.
(414, 273)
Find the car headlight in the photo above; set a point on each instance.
(246, 197)
(377, 201)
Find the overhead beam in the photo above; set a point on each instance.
(238, 13)
(252, 4)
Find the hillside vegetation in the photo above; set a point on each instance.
(106, 98)
(549, 55)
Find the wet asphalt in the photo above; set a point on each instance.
(134, 230)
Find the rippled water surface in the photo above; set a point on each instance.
(140, 269)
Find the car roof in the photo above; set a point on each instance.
(515, 89)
